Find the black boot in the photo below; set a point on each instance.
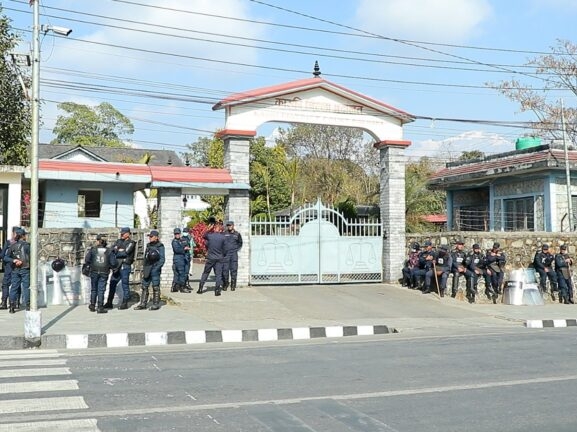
(143, 300)
(232, 284)
(12, 308)
(91, 307)
(174, 287)
(4, 305)
(225, 286)
(101, 309)
(155, 298)
(123, 305)
(184, 289)
(199, 290)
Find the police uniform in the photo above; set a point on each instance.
(425, 263)
(124, 248)
(180, 250)
(154, 258)
(458, 267)
(563, 263)
(475, 268)
(101, 260)
(232, 244)
(411, 264)
(188, 241)
(19, 254)
(543, 263)
(440, 270)
(214, 259)
(495, 260)
(8, 266)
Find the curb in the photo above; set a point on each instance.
(192, 337)
(551, 323)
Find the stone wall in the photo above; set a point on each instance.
(520, 247)
(72, 244)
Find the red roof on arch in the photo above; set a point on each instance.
(307, 84)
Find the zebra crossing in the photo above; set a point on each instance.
(34, 383)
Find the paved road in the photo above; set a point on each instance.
(513, 380)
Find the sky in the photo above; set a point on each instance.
(165, 63)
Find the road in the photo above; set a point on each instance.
(513, 380)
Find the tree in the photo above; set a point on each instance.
(419, 199)
(15, 110)
(471, 155)
(557, 71)
(99, 126)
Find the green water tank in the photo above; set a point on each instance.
(527, 142)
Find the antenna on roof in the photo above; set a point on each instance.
(169, 161)
(317, 70)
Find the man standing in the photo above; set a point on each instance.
(124, 248)
(458, 267)
(563, 263)
(187, 240)
(179, 250)
(101, 260)
(19, 254)
(152, 267)
(214, 258)
(7, 281)
(495, 261)
(232, 244)
(543, 263)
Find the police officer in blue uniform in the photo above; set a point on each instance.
(543, 263)
(7, 280)
(101, 260)
(19, 255)
(179, 250)
(214, 258)
(124, 248)
(232, 244)
(154, 258)
(188, 241)
(475, 264)
(563, 263)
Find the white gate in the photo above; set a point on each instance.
(316, 245)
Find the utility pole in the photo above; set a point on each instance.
(567, 171)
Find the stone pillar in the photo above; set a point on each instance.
(237, 209)
(392, 204)
(169, 217)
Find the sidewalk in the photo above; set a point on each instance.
(280, 312)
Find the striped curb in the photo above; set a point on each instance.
(551, 323)
(192, 337)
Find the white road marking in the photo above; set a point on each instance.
(85, 425)
(34, 362)
(11, 355)
(38, 386)
(42, 404)
(14, 373)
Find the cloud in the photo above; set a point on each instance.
(424, 20)
(452, 147)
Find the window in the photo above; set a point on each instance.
(519, 214)
(89, 203)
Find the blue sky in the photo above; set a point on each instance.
(164, 63)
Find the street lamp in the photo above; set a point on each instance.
(33, 320)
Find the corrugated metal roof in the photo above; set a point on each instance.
(190, 175)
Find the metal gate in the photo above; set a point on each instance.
(316, 245)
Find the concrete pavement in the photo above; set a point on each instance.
(280, 312)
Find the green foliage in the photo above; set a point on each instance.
(100, 126)
(419, 199)
(15, 111)
(471, 155)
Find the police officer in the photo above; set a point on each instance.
(458, 269)
(440, 268)
(563, 263)
(187, 240)
(124, 248)
(214, 258)
(101, 260)
(179, 250)
(154, 258)
(19, 254)
(475, 268)
(7, 280)
(425, 263)
(495, 260)
(543, 263)
(232, 244)
(411, 264)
